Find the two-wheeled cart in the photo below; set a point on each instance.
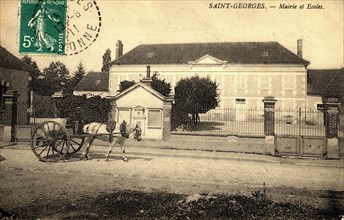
(52, 142)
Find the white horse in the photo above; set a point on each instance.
(105, 131)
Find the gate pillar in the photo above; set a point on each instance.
(10, 121)
(331, 111)
(269, 122)
(269, 115)
(166, 132)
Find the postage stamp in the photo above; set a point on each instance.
(43, 27)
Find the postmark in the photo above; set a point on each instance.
(58, 27)
(84, 24)
(43, 26)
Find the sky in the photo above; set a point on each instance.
(151, 22)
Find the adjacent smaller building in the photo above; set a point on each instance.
(93, 84)
(326, 83)
(15, 76)
(143, 106)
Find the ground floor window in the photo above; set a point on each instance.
(240, 101)
(154, 118)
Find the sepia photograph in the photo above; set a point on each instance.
(159, 109)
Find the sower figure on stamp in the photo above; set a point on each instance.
(120, 141)
(39, 24)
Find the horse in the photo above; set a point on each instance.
(105, 131)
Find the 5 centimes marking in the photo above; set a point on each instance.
(84, 22)
(43, 26)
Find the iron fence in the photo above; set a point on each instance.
(304, 122)
(227, 120)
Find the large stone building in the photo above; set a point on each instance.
(245, 71)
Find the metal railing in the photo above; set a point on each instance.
(304, 122)
(227, 120)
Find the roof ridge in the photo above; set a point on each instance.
(233, 52)
(306, 61)
(323, 69)
(221, 42)
(24, 66)
(143, 85)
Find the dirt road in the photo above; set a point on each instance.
(24, 180)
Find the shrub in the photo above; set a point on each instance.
(79, 108)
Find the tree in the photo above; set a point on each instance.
(73, 81)
(196, 95)
(55, 78)
(106, 61)
(80, 72)
(160, 85)
(35, 75)
(125, 84)
(81, 108)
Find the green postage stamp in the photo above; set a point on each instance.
(43, 27)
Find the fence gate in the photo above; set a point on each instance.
(302, 146)
(300, 133)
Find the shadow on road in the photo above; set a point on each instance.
(99, 157)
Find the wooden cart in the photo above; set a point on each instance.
(52, 142)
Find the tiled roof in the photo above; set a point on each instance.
(326, 82)
(8, 60)
(236, 53)
(93, 81)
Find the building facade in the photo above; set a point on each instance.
(245, 72)
(15, 76)
(142, 106)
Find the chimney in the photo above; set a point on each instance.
(147, 80)
(119, 49)
(299, 48)
(148, 72)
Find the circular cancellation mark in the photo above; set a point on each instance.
(84, 22)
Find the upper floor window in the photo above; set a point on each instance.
(242, 84)
(264, 83)
(289, 82)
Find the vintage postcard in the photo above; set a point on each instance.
(159, 109)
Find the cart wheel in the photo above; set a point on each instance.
(75, 144)
(50, 141)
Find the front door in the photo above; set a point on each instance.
(240, 111)
(141, 124)
(139, 118)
